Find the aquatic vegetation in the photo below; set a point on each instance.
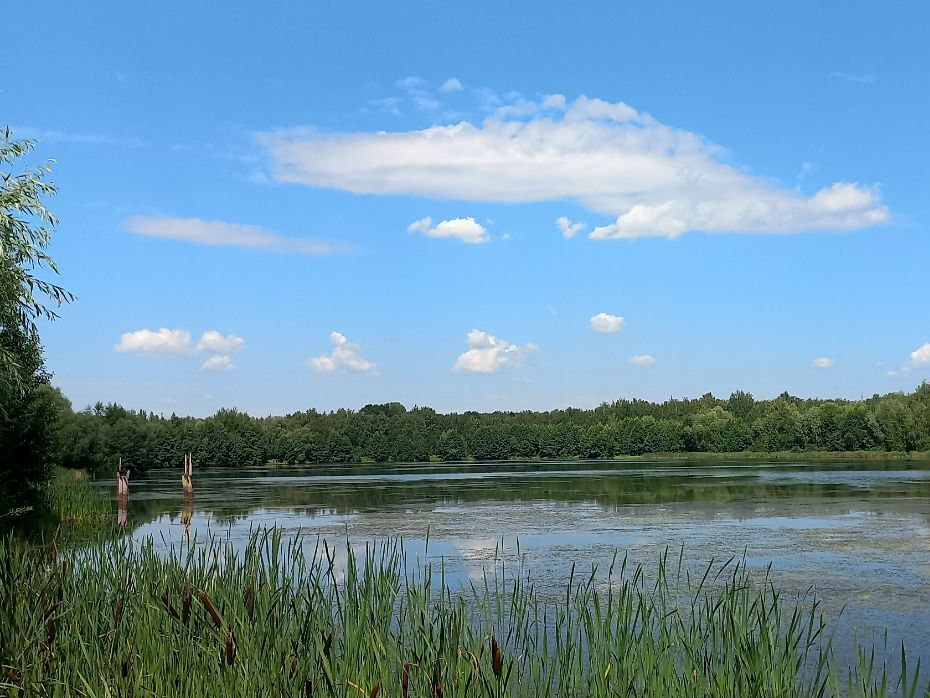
(115, 618)
(75, 502)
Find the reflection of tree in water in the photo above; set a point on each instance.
(738, 496)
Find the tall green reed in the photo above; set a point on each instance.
(289, 617)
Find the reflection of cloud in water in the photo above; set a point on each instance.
(860, 534)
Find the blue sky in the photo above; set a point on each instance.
(280, 206)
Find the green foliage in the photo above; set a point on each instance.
(74, 502)
(96, 438)
(25, 234)
(273, 621)
(28, 406)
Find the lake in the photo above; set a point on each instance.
(857, 534)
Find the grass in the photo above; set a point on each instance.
(76, 503)
(117, 619)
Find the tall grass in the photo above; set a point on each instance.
(75, 502)
(117, 619)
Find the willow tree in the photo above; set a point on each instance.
(26, 400)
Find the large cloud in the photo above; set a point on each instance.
(345, 355)
(488, 353)
(226, 234)
(653, 179)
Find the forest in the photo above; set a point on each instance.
(95, 438)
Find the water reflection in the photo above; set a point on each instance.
(858, 533)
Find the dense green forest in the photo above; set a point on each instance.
(96, 437)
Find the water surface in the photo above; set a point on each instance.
(856, 534)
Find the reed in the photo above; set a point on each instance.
(75, 502)
(287, 617)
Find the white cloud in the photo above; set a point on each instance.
(167, 342)
(555, 101)
(655, 180)
(154, 342)
(488, 354)
(344, 356)
(226, 234)
(642, 360)
(605, 322)
(465, 229)
(220, 362)
(213, 341)
(569, 229)
(822, 362)
(920, 357)
(415, 87)
(451, 85)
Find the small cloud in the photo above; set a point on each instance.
(176, 342)
(465, 229)
(415, 87)
(213, 341)
(221, 233)
(920, 357)
(847, 77)
(555, 101)
(605, 322)
(642, 360)
(451, 85)
(53, 136)
(344, 356)
(221, 362)
(892, 374)
(822, 362)
(156, 342)
(488, 354)
(569, 229)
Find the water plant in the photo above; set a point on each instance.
(73, 501)
(287, 616)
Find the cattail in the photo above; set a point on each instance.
(405, 679)
(186, 607)
(166, 601)
(52, 631)
(117, 614)
(437, 680)
(250, 601)
(497, 662)
(230, 648)
(53, 553)
(308, 687)
(293, 670)
(14, 678)
(205, 600)
(375, 691)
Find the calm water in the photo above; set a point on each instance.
(858, 534)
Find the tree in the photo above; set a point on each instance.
(25, 234)
(28, 406)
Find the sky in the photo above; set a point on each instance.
(281, 206)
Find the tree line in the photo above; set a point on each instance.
(96, 437)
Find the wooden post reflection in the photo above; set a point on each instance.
(122, 495)
(187, 483)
